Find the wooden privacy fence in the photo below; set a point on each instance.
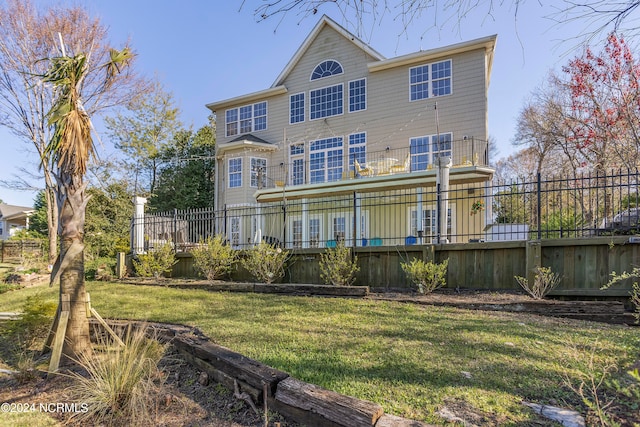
(16, 250)
(584, 263)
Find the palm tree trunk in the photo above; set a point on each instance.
(72, 202)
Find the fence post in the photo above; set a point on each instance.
(539, 207)
(533, 259)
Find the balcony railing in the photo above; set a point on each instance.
(352, 164)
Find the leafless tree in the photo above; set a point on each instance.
(28, 35)
(598, 16)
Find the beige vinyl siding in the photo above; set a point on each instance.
(390, 119)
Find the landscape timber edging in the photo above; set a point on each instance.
(272, 288)
(298, 401)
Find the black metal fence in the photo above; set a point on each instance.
(540, 208)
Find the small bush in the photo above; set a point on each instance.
(121, 382)
(100, 268)
(265, 262)
(544, 282)
(427, 276)
(213, 258)
(155, 263)
(635, 287)
(336, 266)
(34, 323)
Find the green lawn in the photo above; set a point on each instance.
(408, 358)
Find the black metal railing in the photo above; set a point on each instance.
(357, 165)
(538, 208)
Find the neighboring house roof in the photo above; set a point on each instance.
(9, 212)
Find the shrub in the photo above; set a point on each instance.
(34, 323)
(427, 276)
(121, 382)
(265, 262)
(100, 268)
(336, 266)
(635, 287)
(155, 263)
(544, 282)
(213, 258)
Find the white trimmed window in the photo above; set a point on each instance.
(326, 102)
(296, 108)
(235, 173)
(425, 150)
(245, 119)
(326, 69)
(325, 160)
(297, 163)
(428, 223)
(430, 80)
(258, 172)
(357, 149)
(357, 95)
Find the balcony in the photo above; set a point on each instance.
(336, 167)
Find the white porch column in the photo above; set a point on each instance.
(442, 179)
(305, 224)
(137, 239)
(420, 231)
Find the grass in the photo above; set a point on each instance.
(406, 357)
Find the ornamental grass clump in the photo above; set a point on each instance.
(122, 383)
(213, 258)
(336, 266)
(156, 263)
(427, 276)
(265, 262)
(544, 281)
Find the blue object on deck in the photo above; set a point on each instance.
(410, 240)
(376, 241)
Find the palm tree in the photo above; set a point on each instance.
(70, 149)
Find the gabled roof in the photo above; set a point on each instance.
(8, 212)
(324, 21)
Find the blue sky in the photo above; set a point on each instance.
(205, 51)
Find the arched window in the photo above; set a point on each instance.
(326, 69)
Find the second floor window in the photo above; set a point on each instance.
(245, 119)
(426, 149)
(430, 80)
(325, 102)
(325, 160)
(357, 149)
(258, 172)
(235, 173)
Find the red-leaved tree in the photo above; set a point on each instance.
(603, 118)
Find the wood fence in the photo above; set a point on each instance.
(15, 250)
(584, 263)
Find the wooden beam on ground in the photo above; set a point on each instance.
(335, 408)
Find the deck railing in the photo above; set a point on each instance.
(354, 164)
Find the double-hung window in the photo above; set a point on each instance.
(325, 160)
(357, 95)
(296, 108)
(258, 172)
(430, 80)
(425, 150)
(245, 119)
(326, 102)
(235, 173)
